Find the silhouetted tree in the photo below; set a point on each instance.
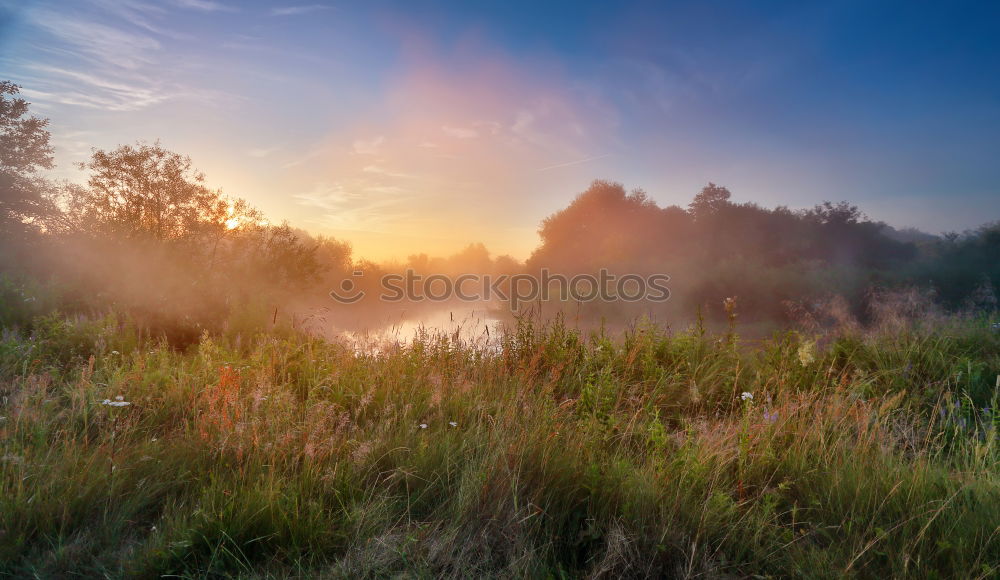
(24, 149)
(709, 200)
(603, 227)
(144, 191)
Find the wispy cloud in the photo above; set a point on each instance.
(575, 162)
(380, 170)
(97, 41)
(297, 10)
(369, 146)
(206, 5)
(460, 132)
(111, 58)
(262, 152)
(357, 205)
(76, 88)
(138, 13)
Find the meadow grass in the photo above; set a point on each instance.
(549, 453)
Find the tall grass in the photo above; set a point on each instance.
(551, 453)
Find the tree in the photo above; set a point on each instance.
(24, 149)
(144, 191)
(709, 200)
(604, 225)
(834, 214)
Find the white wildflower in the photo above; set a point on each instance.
(746, 396)
(453, 424)
(118, 403)
(807, 353)
(423, 425)
(115, 352)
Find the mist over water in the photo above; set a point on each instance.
(479, 324)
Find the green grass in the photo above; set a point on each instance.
(272, 454)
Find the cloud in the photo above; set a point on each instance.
(205, 5)
(139, 14)
(314, 153)
(298, 10)
(96, 41)
(460, 133)
(356, 205)
(449, 147)
(124, 93)
(522, 122)
(262, 152)
(325, 196)
(379, 170)
(368, 147)
(575, 162)
(111, 59)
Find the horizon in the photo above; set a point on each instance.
(435, 125)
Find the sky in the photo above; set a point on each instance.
(420, 126)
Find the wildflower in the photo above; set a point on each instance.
(453, 424)
(119, 402)
(746, 396)
(770, 417)
(806, 355)
(423, 425)
(115, 352)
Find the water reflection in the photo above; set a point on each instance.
(479, 326)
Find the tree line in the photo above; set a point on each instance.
(146, 233)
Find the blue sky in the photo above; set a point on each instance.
(422, 126)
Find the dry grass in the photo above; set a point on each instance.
(554, 454)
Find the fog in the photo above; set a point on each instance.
(147, 240)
